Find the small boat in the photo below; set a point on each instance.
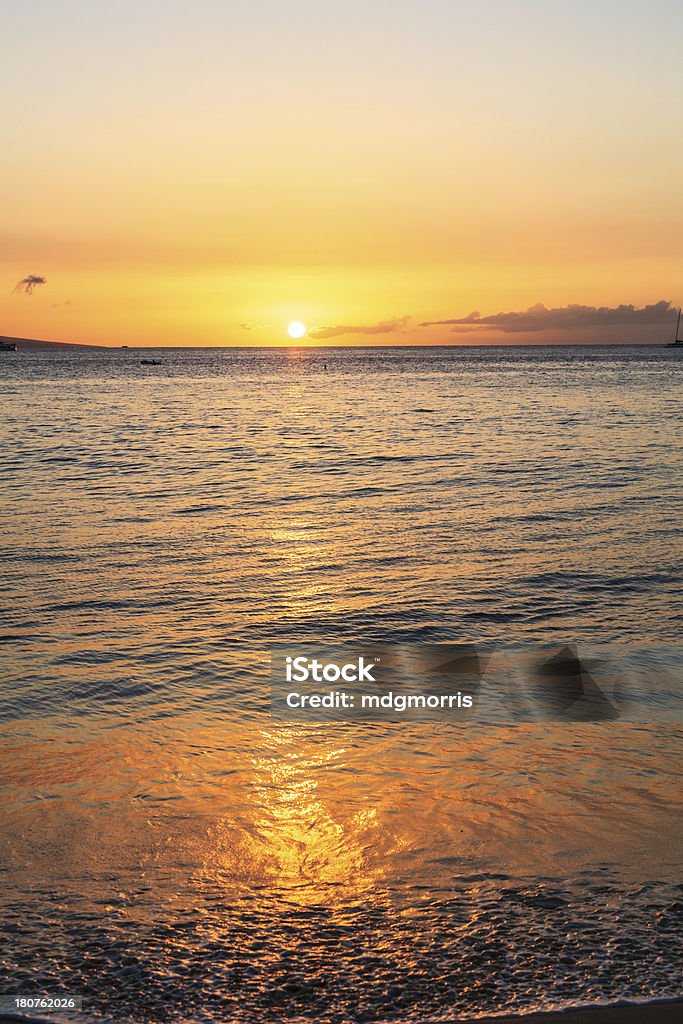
(677, 342)
(150, 362)
(7, 346)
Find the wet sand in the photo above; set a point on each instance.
(649, 1013)
(670, 1012)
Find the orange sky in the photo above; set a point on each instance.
(206, 173)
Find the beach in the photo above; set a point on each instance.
(652, 1013)
(647, 1013)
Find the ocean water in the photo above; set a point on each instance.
(169, 850)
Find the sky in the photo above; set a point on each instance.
(399, 172)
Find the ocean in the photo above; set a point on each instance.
(170, 850)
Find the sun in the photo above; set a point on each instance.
(296, 329)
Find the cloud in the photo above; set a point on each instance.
(538, 318)
(385, 327)
(28, 283)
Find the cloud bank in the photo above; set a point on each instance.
(385, 327)
(539, 318)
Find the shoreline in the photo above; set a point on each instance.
(667, 1011)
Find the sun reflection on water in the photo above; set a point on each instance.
(295, 840)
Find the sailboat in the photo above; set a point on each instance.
(677, 342)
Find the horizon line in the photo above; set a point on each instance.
(118, 346)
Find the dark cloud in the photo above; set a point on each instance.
(28, 283)
(538, 318)
(385, 327)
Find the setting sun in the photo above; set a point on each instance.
(296, 329)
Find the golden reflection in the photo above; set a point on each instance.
(295, 842)
(302, 560)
